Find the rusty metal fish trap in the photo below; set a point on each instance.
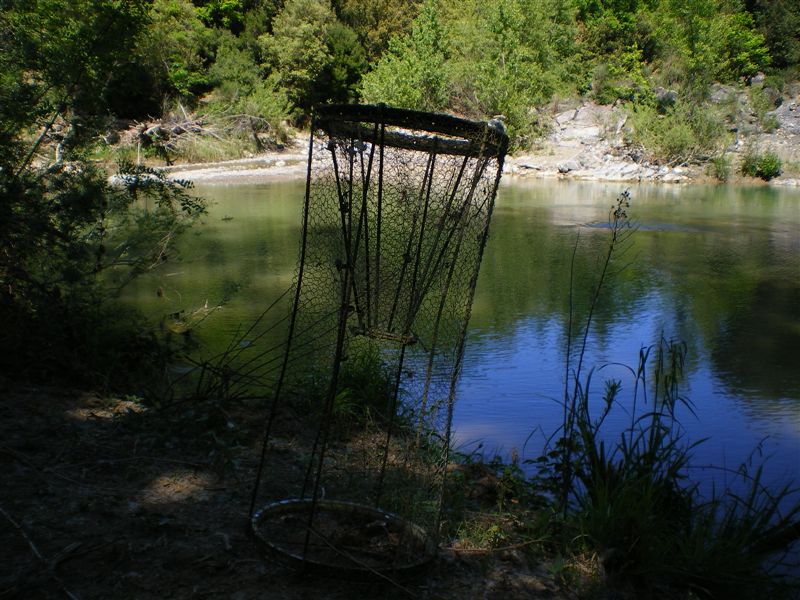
(395, 221)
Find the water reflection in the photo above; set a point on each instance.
(717, 267)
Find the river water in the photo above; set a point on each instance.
(717, 267)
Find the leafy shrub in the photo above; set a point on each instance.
(296, 53)
(271, 105)
(223, 13)
(414, 72)
(62, 223)
(234, 72)
(621, 78)
(683, 133)
(66, 228)
(762, 103)
(766, 166)
(176, 48)
(720, 168)
(348, 62)
(769, 123)
(366, 386)
(710, 42)
(509, 57)
(364, 392)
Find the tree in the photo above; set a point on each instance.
(296, 52)
(779, 22)
(61, 223)
(511, 56)
(340, 79)
(228, 14)
(234, 73)
(177, 48)
(377, 21)
(414, 72)
(57, 55)
(258, 18)
(711, 41)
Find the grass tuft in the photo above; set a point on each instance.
(628, 499)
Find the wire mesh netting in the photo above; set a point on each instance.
(395, 220)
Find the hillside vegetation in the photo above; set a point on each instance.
(273, 60)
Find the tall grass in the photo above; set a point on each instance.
(628, 497)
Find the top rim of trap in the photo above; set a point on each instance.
(412, 129)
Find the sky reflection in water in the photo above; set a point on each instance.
(717, 267)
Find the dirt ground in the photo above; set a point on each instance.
(102, 498)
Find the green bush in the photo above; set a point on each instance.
(66, 227)
(62, 223)
(364, 392)
(710, 41)
(761, 104)
(176, 49)
(271, 105)
(621, 78)
(509, 57)
(720, 168)
(339, 81)
(234, 73)
(685, 132)
(296, 54)
(414, 72)
(765, 166)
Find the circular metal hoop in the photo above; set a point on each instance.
(411, 545)
(412, 129)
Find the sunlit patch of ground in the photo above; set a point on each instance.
(91, 406)
(123, 502)
(177, 486)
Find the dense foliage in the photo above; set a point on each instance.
(474, 58)
(61, 222)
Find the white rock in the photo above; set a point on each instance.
(569, 165)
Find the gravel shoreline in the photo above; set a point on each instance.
(586, 143)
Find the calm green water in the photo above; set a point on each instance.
(718, 267)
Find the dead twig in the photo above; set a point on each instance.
(493, 550)
(24, 535)
(43, 472)
(48, 566)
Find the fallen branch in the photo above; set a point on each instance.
(24, 535)
(42, 472)
(48, 566)
(492, 550)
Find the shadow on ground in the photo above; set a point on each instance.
(101, 498)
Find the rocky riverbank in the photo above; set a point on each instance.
(587, 141)
(289, 163)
